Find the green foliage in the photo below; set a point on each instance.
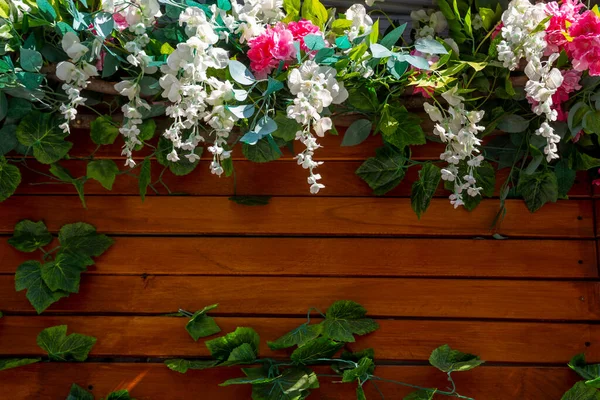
(315, 12)
(103, 130)
(63, 347)
(9, 363)
(448, 360)
(10, 178)
(79, 393)
(251, 200)
(384, 171)
(239, 347)
(40, 132)
(145, 177)
(64, 175)
(58, 277)
(357, 132)
(538, 188)
(405, 130)
(424, 188)
(181, 167)
(264, 150)
(344, 319)
(201, 325)
(104, 171)
(589, 372)
(581, 391)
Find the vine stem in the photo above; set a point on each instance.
(443, 393)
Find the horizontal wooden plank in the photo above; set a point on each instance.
(464, 298)
(282, 178)
(51, 381)
(396, 340)
(338, 257)
(298, 216)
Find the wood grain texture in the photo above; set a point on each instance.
(396, 340)
(155, 381)
(464, 298)
(298, 216)
(337, 257)
(279, 178)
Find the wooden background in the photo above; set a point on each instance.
(526, 304)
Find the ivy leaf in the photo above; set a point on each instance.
(181, 167)
(261, 152)
(60, 347)
(222, 347)
(286, 127)
(18, 108)
(582, 162)
(565, 177)
(423, 189)
(82, 240)
(65, 175)
(345, 318)
(201, 325)
(292, 383)
(119, 395)
(312, 351)
(181, 365)
(40, 132)
(408, 131)
(10, 178)
(589, 372)
(421, 394)
(9, 363)
(79, 393)
(103, 130)
(513, 123)
(297, 337)
(360, 393)
(145, 176)
(580, 391)
(29, 276)
(447, 360)
(357, 132)
(361, 372)
(538, 188)
(253, 376)
(8, 138)
(63, 273)
(30, 236)
(104, 171)
(384, 171)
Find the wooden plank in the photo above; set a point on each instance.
(282, 178)
(337, 257)
(443, 298)
(298, 216)
(51, 381)
(396, 340)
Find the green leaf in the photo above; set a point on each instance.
(145, 177)
(147, 130)
(357, 132)
(361, 372)
(582, 162)
(29, 276)
(315, 12)
(580, 391)
(182, 366)
(40, 132)
(565, 177)
(360, 393)
(222, 347)
(253, 376)
(103, 130)
(30, 60)
(261, 152)
(63, 273)
(65, 175)
(8, 139)
(312, 351)
(392, 38)
(291, 384)
(421, 394)
(3, 105)
(30, 236)
(363, 98)
(9, 363)
(60, 347)
(251, 200)
(82, 239)
(340, 26)
(181, 167)
(79, 393)
(10, 178)
(345, 318)
(589, 372)
(576, 115)
(447, 360)
(201, 325)
(297, 337)
(384, 171)
(513, 123)
(423, 189)
(408, 132)
(485, 175)
(104, 171)
(122, 394)
(538, 188)
(286, 127)
(591, 121)
(292, 9)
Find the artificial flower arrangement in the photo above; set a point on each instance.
(267, 73)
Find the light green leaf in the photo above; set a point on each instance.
(222, 347)
(312, 351)
(104, 171)
(103, 130)
(292, 9)
(360, 393)
(315, 12)
(42, 134)
(30, 236)
(182, 366)
(297, 337)
(345, 318)
(201, 325)
(447, 360)
(291, 384)
(10, 178)
(79, 393)
(361, 372)
(253, 376)
(60, 347)
(82, 239)
(63, 273)
(538, 188)
(29, 276)
(424, 188)
(580, 391)
(9, 363)
(384, 171)
(243, 354)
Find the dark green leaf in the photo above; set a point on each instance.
(591, 121)
(251, 200)
(30, 60)
(103, 130)
(181, 167)
(360, 372)
(201, 325)
(589, 372)
(253, 376)
(82, 239)
(423, 189)
(312, 351)
(222, 347)
(297, 337)
(60, 347)
(79, 393)
(407, 132)
(345, 318)
(582, 162)
(286, 127)
(565, 177)
(513, 123)
(538, 188)
(182, 366)
(447, 360)
(63, 273)
(10, 178)
(145, 177)
(42, 134)
(357, 132)
(261, 152)
(104, 171)
(392, 38)
(65, 175)
(384, 171)
(8, 138)
(291, 384)
(119, 395)
(30, 236)
(9, 363)
(580, 391)
(576, 115)
(29, 276)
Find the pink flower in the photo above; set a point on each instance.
(302, 28)
(120, 21)
(100, 62)
(585, 46)
(567, 12)
(276, 44)
(497, 30)
(576, 139)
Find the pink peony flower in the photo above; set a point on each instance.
(567, 12)
(267, 50)
(584, 48)
(120, 21)
(302, 28)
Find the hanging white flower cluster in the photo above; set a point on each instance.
(315, 88)
(135, 15)
(361, 21)
(252, 16)
(428, 23)
(198, 99)
(75, 74)
(459, 130)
